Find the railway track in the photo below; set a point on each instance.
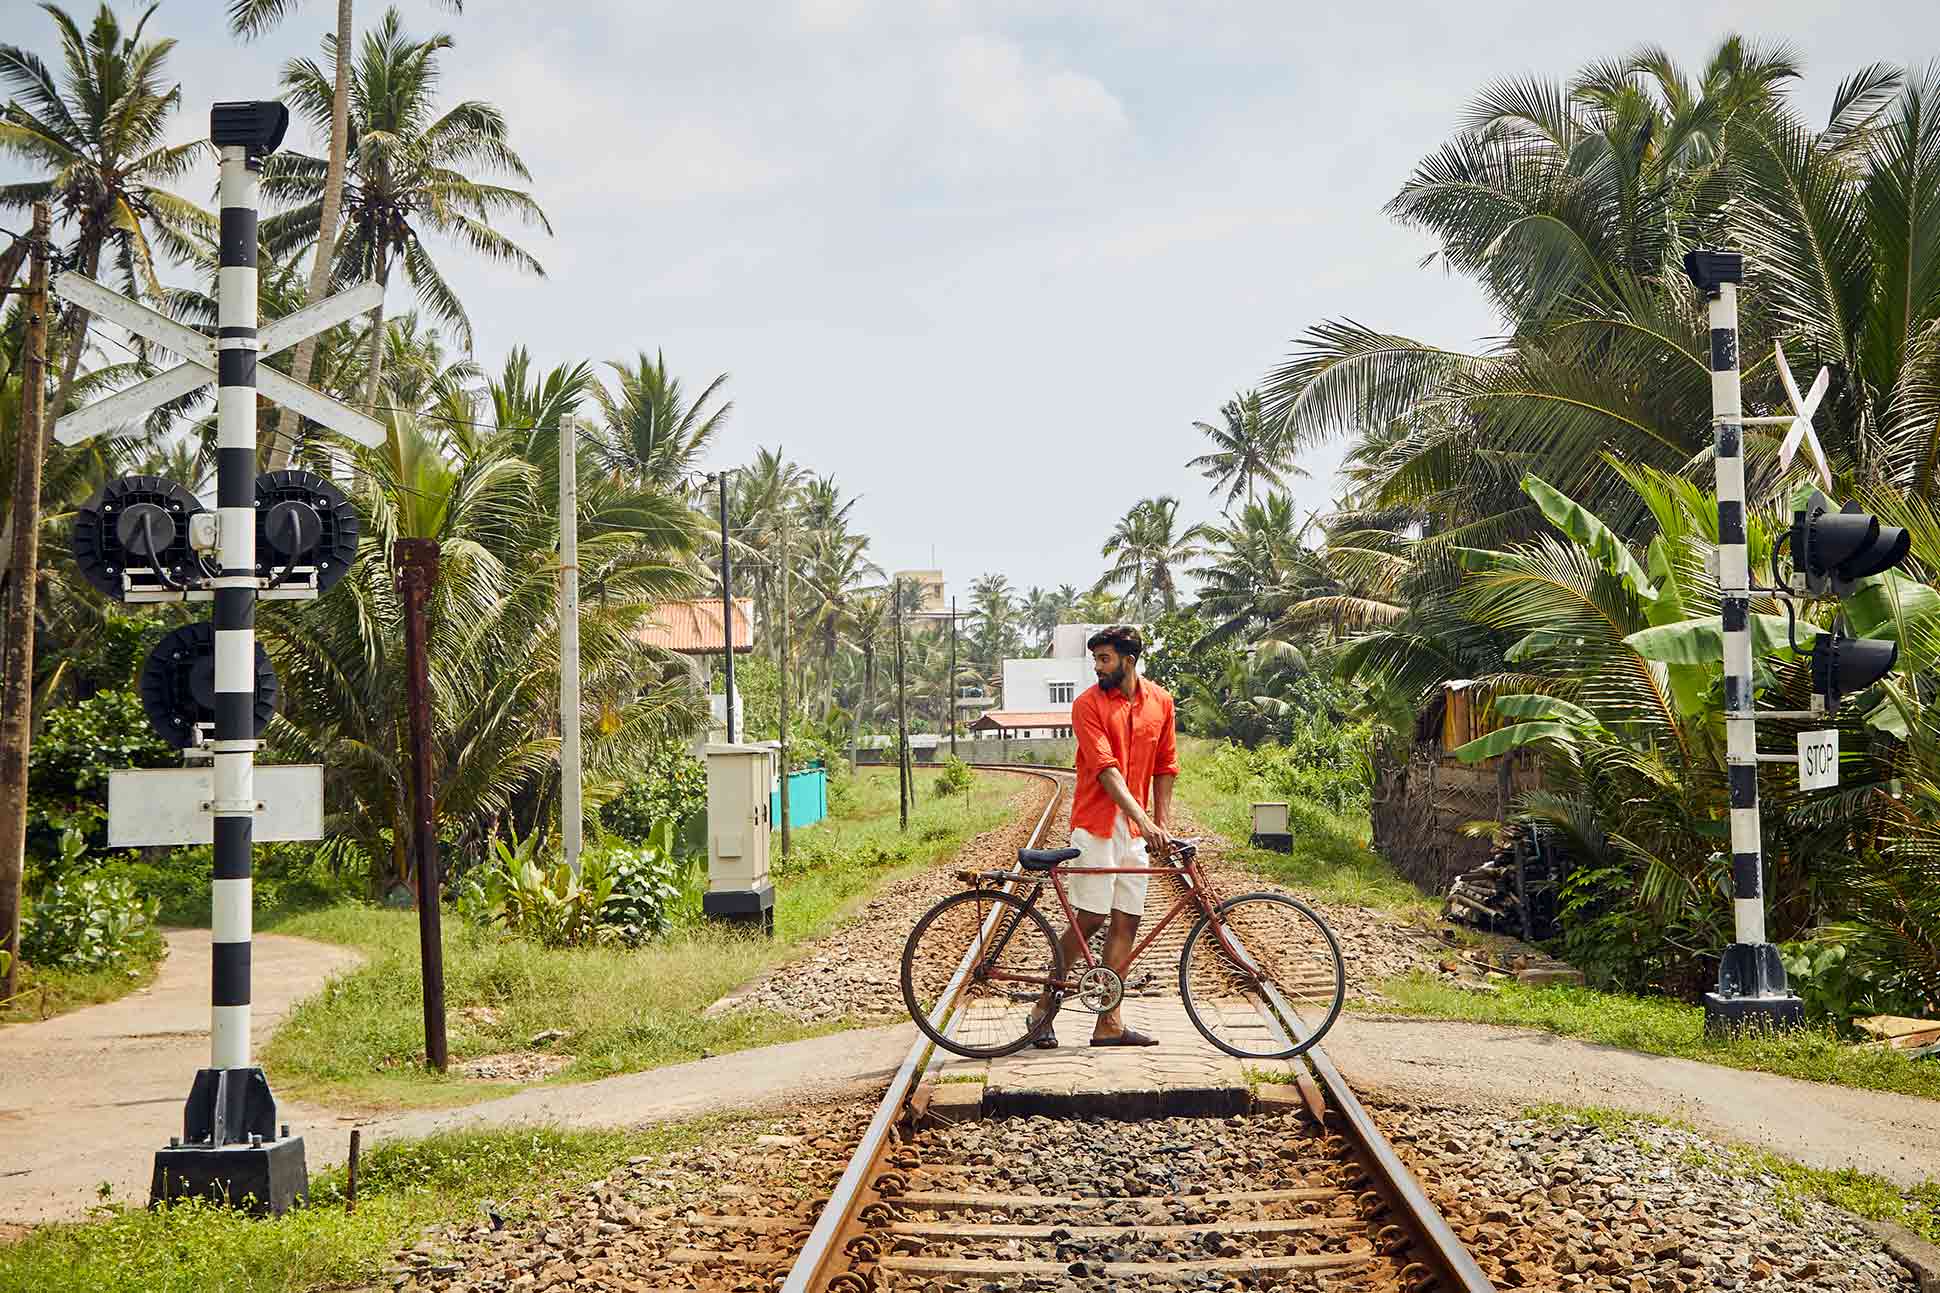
(1311, 1197)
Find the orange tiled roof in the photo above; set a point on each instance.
(694, 628)
(1024, 718)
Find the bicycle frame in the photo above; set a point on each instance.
(1198, 897)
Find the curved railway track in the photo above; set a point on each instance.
(1320, 1202)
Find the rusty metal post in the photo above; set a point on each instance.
(16, 703)
(350, 1187)
(417, 572)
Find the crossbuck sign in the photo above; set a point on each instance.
(200, 352)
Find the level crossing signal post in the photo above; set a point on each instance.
(208, 688)
(1831, 552)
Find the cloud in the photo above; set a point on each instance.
(993, 86)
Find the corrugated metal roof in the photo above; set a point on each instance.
(694, 628)
(1025, 718)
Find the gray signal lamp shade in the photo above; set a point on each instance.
(304, 520)
(178, 688)
(1843, 666)
(137, 527)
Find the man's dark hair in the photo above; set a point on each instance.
(1122, 638)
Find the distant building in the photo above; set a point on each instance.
(929, 589)
(1038, 691)
(693, 629)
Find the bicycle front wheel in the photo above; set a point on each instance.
(1014, 957)
(1262, 979)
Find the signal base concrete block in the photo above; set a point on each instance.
(266, 1179)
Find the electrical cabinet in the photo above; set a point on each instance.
(738, 888)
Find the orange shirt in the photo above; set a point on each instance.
(1134, 736)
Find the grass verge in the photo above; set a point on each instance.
(1861, 1193)
(400, 1189)
(1330, 861)
(1660, 1026)
(360, 1042)
(43, 993)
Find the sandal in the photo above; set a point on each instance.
(1130, 1037)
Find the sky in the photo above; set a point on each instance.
(985, 264)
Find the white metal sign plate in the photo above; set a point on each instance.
(150, 806)
(1819, 759)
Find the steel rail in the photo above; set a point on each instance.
(810, 1273)
(1444, 1248)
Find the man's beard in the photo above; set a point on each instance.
(1113, 680)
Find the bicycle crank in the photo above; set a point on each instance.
(1100, 989)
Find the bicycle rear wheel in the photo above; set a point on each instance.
(1013, 956)
(1272, 987)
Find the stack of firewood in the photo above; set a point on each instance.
(1514, 892)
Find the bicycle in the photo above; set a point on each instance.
(1260, 974)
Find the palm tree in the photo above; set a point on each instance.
(653, 433)
(493, 636)
(1572, 204)
(410, 166)
(1146, 549)
(1246, 450)
(102, 138)
(868, 626)
(994, 635)
(1044, 610)
(1252, 571)
(249, 19)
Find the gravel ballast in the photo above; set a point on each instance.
(1566, 1204)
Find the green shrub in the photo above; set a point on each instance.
(673, 790)
(623, 895)
(1323, 765)
(90, 922)
(645, 885)
(955, 777)
(67, 773)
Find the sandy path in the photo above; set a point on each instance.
(90, 1096)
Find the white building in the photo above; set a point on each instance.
(1038, 692)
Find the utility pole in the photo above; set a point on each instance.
(417, 574)
(16, 702)
(782, 681)
(727, 607)
(903, 785)
(569, 779)
(952, 689)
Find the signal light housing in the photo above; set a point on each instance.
(1832, 551)
(131, 540)
(306, 530)
(1843, 665)
(178, 686)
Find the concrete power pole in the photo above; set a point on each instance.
(903, 785)
(727, 610)
(16, 703)
(782, 681)
(570, 795)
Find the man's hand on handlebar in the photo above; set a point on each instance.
(1158, 841)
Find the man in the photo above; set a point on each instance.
(1128, 760)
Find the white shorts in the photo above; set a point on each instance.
(1098, 894)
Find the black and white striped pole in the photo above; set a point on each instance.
(1752, 988)
(208, 687)
(231, 1144)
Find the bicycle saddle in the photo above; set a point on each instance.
(1044, 859)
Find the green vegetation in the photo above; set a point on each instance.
(1661, 1026)
(361, 1040)
(1330, 860)
(42, 992)
(400, 1189)
(1860, 1193)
